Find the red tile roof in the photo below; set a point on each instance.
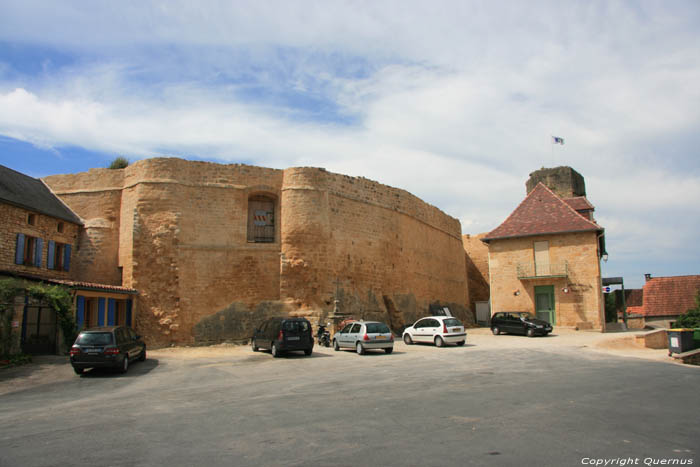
(542, 212)
(94, 286)
(669, 296)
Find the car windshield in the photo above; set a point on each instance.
(453, 322)
(526, 315)
(377, 328)
(94, 338)
(295, 326)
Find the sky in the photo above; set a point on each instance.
(453, 101)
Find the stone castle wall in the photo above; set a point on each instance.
(177, 231)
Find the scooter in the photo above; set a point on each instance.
(323, 335)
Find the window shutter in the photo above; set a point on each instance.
(51, 252)
(66, 257)
(110, 312)
(80, 314)
(101, 311)
(38, 250)
(19, 252)
(128, 312)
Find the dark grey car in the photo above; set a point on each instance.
(107, 347)
(281, 335)
(363, 336)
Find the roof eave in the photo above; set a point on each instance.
(490, 239)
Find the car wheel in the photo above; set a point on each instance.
(439, 342)
(360, 349)
(407, 339)
(79, 371)
(336, 347)
(253, 345)
(274, 350)
(142, 356)
(495, 330)
(125, 364)
(460, 343)
(307, 352)
(530, 332)
(389, 350)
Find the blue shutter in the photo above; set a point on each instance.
(38, 251)
(101, 311)
(128, 312)
(19, 252)
(110, 311)
(66, 257)
(51, 253)
(80, 314)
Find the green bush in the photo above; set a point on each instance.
(119, 163)
(691, 319)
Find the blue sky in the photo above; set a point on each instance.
(455, 102)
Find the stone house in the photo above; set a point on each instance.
(39, 241)
(663, 299)
(215, 248)
(545, 257)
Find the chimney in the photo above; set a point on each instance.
(647, 277)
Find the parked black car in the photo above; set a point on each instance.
(519, 322)
(281, 335)
(107, 347)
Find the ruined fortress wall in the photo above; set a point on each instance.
(388, 254)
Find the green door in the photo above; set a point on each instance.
(544, 303)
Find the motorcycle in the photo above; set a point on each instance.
(323, 335)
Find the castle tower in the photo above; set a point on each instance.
(564, 181)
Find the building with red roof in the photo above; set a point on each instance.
(663, 300)
(545, 257)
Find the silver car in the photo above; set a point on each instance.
(363, 336)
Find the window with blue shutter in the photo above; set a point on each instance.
(50, 255)
(38, 251)
(19, 252)
(80, 314)
(101, 311)
(66, 258)
(111, 305)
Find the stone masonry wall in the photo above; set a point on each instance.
(180, 238)
(581, 307)
(384, 253)
(477, 259)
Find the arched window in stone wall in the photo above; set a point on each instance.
(261, 219)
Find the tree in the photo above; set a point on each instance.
(691, 319)
(119, 163)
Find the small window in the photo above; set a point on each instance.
(346, 329)
(31, 219)
(59, 227)
(356, 328)
(261, 219)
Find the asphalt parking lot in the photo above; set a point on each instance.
(499, 400)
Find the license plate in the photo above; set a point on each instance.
(380, 337)
(456, 330)
(293, 338)
(93, 351)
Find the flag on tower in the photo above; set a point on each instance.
(557, 140)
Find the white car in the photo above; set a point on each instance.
(436, 329)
